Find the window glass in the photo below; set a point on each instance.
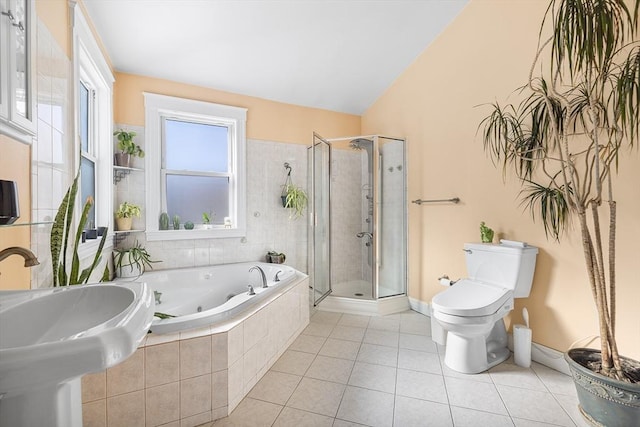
(191, 196)
(196, 146)
(87, 151)
(84, 117)
(88, 187)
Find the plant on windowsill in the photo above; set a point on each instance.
(564, 142)
(206, 220)
(60, 234)
(124, 215)
(127, 148)
(132, 262)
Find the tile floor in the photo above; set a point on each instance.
(347, 370)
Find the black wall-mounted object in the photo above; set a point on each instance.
(9, 209)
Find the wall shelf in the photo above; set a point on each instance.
(120, 172)
(119, 236)
(24, 224)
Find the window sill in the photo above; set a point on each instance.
(216, 233)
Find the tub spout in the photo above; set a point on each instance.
(264, 277)
(30, 259)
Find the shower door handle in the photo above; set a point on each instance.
(363, 234)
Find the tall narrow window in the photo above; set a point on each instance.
(87, 148)
(93, 129)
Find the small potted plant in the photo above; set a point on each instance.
(132, 262)
(127, 148)
(486, 234)
(125, 214)
(275, 257)
(206, 220)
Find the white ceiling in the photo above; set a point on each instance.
(337, 55)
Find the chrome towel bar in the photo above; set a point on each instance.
(452, 200)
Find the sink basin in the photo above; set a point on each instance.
(49, 338)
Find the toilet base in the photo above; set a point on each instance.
(475, 354)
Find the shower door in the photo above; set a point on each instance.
(319, 223)
(392, 215)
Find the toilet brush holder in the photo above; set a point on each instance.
(522, 345)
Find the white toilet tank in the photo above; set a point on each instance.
(509, 265)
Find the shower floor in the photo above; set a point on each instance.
(352, 289)
(358, 289)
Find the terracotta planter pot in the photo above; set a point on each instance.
(124, 224)
(122, 159)
(604, 401)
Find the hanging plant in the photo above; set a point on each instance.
(294, 198)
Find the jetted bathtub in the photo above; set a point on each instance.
(203, 296)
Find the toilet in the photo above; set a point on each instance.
(468, 316)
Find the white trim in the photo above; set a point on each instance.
(380, 307)
(90, 65)
(157, 106)
(420, 306)
(546, 356)
(82, 32)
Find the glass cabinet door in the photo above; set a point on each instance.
(16, 69)
(21, 87)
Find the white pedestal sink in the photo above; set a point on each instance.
(49, 338)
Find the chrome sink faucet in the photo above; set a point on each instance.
(264, 277)
(30, 259)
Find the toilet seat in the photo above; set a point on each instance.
(469, 298)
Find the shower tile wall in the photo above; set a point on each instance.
(268, 223)
(51, 147)
(347, 216)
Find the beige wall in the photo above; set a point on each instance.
(266, 120)
(55, 15)
(14, 166)
(483, 56)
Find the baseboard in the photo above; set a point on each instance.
(546, 356)
(541, 354)
(420, 306)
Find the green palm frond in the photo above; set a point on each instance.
(500, 128)
(587, 33)
(627, 92)
(550, 205)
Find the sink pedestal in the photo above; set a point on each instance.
(55, 406)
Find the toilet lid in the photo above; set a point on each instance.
(469, 298)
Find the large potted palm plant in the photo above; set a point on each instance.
(564, 142)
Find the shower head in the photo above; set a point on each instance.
(360, 143)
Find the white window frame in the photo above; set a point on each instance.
(90, 66)
(158, 107)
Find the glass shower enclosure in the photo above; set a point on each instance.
(358, 218)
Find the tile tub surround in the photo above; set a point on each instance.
(199, 375)
(347, 370)
(268, 224)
